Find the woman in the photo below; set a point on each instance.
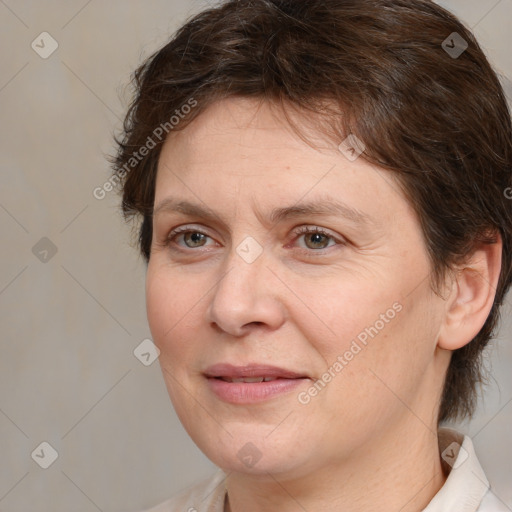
(323, 193)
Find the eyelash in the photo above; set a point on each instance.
(304, 230)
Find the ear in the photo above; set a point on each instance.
(472, 293)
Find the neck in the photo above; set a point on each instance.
(400, 470)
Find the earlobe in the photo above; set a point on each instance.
(472, 296)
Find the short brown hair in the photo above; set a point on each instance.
(377, 69)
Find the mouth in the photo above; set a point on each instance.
(248, 380)
(251, 383)
(252, 372)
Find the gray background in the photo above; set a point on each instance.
(70, 324)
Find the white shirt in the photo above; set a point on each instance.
(466, 489)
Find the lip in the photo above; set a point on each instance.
(251, 370)
(246, 393)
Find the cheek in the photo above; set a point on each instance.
(362, 331)
(171, 302)
(391, 364)
(335, 316)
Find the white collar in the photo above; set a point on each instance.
(466, 484)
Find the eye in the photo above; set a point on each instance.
(317, 238)
(192, 238)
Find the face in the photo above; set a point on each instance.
(274, 259)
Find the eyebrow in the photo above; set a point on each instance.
(323, 206)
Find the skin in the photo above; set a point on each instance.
(357, 444)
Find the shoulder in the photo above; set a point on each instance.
(206, 496)
(490, 503)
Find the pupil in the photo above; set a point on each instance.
(196, 237)
(316, 238)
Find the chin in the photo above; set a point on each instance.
(254, 455)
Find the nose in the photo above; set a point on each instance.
(246, 298)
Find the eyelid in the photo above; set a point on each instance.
(311, 228)
(186, 228)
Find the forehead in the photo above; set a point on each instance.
(242, 123)
(244, 151)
